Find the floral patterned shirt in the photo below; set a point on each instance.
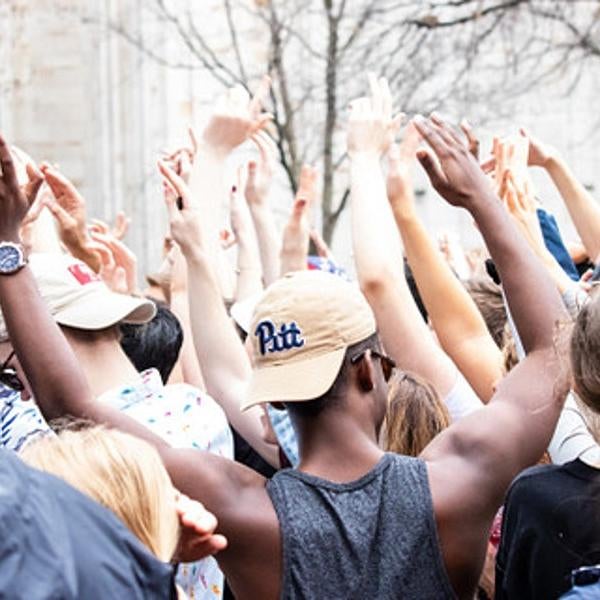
(185, 417)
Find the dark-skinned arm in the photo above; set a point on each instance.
(473, 462)
(60, 389)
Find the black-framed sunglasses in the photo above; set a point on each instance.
(9, 377)
(387, 364)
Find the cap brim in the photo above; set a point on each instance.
(101, 310)
(298, 381)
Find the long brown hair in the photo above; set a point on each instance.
(415, 415)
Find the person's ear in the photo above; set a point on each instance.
(365, 375)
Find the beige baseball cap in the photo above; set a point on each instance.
(77, 297)
(300, 331)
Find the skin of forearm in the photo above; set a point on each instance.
(190, 366)
(223, 360)
(269, 243)
(378, 259)
(521, 273)
(459, 326)
(249, 270)
(583, 209)
(51, 367)
(209, 190)
(54, 374)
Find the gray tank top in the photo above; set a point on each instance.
(373, 538)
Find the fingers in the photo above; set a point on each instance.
(433, 138)
(9, 174)
(261, 94)
(176, 183)
(299, 211)
(471, 138)
(64, 219)
(122, 223)
(432, 168)
(58, 183)
(36, 179)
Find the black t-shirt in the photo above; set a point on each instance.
(57, 543)
(551, 526)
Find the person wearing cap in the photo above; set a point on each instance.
(89, 314)
(351, 521)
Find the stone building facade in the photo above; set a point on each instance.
(74, 92)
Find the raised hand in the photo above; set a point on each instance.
(14, 201)
(184, 217)
(260, 174)
(401, 158)
(69, 210)
(452, 169)
(540, 154)
(124, 259)
(372, 126)
(236, 118)
(296, 234)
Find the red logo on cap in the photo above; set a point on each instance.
(83, 274)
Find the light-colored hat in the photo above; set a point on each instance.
(301, 329)
(243, 311)
(77, 297)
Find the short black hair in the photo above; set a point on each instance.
(156, 344)
(335, 394)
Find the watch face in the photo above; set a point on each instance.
(10, 259)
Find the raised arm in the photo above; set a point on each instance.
(377, 248)
(582, 207)
(223, 360)
(258, 186)
(459, 326)
(232, 492)
(472, 463)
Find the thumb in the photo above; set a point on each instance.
(432, 168)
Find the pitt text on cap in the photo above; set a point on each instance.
(270, 340)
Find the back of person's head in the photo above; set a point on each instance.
(312, 335)
(156, 344)
(121, 472)
(334, 397)
(585, 354)
(488, 297)
(415, 415)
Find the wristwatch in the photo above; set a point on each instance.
(12, 258)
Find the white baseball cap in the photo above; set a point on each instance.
(77, 297)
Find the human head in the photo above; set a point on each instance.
(76, 296)
(585, 354)
(488, 298)
(301, 329)
(123, 473)
(336, 398)
(305, 330)
(415, 415)
(156, 344)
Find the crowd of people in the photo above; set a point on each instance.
(276, 429)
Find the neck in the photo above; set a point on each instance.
(338, 445)
(104, 363)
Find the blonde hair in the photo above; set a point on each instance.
(415, 415)
(121, 472)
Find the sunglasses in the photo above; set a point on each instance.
(9, 377)
(387, 364)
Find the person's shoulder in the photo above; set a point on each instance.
(539, 479)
